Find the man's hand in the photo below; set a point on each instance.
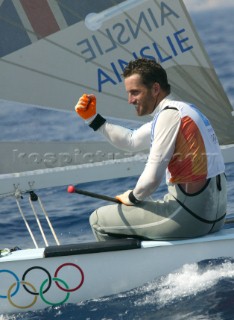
(86, 106)
(124, 198)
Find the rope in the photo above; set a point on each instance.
(48, 221)
(38, 222)
(26, 223)
(34, 197)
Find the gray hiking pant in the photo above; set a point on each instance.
(178, 216)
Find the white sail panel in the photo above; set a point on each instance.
(58, 69)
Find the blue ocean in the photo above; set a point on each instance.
(202, 291)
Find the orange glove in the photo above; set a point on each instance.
(86, 106)
(124, 198)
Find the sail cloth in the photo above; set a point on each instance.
(54, 51)
(22, 156)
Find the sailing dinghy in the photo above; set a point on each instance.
(63, 50)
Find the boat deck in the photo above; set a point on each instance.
(226, 233)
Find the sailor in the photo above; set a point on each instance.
(182, 142)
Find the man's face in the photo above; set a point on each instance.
(143, 98)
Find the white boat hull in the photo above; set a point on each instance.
(31, 281)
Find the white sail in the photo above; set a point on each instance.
(59, 68)
(88, 51)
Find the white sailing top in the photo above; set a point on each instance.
(181, 141)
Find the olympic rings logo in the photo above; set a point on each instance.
(44, 287)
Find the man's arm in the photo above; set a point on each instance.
(127, 139)
(121, 137)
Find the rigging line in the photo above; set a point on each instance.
(38, 222)
(48, 221)
(26, 223)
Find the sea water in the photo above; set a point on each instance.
(200, 291)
